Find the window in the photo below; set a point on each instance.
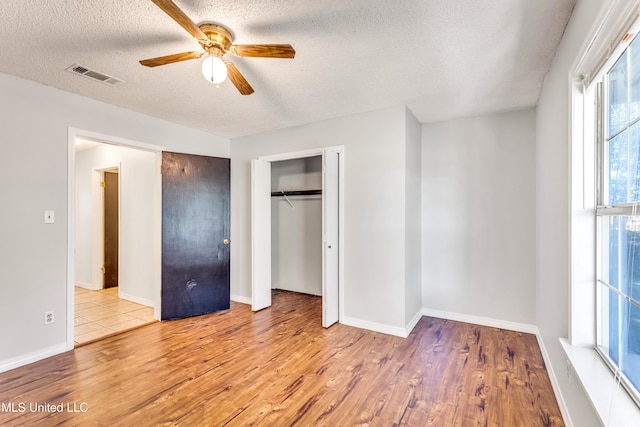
(618, 218)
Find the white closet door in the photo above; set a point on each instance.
(260, 235)
(330, 233)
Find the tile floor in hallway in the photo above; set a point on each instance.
(101, 313)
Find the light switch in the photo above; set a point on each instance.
(48, 217)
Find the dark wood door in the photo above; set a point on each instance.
(195, 234)
(111, 229)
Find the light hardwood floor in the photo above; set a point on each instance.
(99, 314)
(279, 367)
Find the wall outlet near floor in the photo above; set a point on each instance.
(48, 317)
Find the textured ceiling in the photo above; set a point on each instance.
(443, 58)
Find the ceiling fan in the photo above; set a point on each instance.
(216, 41)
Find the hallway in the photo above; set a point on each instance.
(99, 314)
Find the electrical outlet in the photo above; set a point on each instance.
(48, 317)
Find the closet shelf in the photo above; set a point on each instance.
(295, 193)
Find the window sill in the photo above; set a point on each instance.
(612, 403)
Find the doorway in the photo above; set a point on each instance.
(134, 263)
(331, 238)
(110, 214)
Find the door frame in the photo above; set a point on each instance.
(340, 149)
(72, 135)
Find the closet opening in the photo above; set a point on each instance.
(296, 233)
(296, 225)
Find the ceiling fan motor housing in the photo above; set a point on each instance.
(219, 39)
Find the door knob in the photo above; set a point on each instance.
(226, 241)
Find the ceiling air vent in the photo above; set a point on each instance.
(94, 75)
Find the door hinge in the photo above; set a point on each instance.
(103, 184)
(103, 270)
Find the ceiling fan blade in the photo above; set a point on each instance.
(170, 59)
(238, 79)
(263, 50)
(171, 9)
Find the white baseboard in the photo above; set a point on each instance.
(413, 323)
(375, 327)
(137, 300)
(484, 321)
(16, 362)
(88, 286)
(564, 410)
(241, 299)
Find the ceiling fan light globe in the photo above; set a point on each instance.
(214, 69)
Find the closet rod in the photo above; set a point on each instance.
(295, 193)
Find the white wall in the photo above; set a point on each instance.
(413, 220)
(136, 263)
(374, 223)
(552, 208)
(478, 216)
(33, 164)
(84, 226)
(296, 233)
